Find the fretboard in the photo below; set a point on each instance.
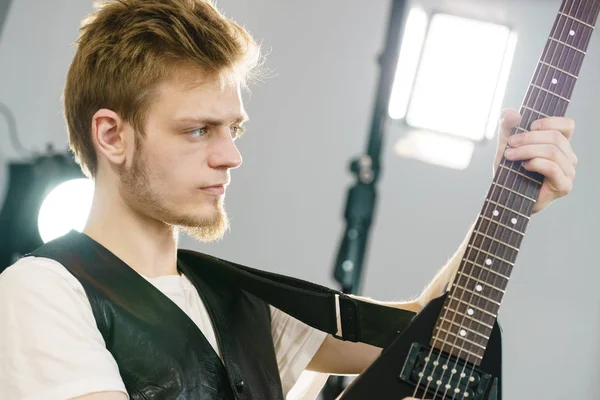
(471, 307)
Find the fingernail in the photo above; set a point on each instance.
(509, 152)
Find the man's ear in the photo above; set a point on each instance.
(109, 136)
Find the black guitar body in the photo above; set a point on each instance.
(393, 376)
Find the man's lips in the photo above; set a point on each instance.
(216, 190)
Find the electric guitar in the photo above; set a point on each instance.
(452, 348)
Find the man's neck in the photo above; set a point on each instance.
(147, 246)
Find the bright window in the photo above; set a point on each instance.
(451, 76)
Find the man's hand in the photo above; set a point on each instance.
(545, 149)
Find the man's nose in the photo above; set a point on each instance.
(224, 153)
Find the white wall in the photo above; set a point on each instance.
(286, 202)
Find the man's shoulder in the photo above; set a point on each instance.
(32, 272)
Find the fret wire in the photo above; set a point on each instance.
(461, 338)
(486, 269)
(576, 19)
(511, 211)
(535, 111)
(502, 225)
(554, 55)
(520, 173)
(473, 293)
(521, 129)
(525, 189)
(473, 320)
(456, 285)
(485, 235)
(572, 21)
(544, 74)
(549, 99)
(567, 45)
(485, 281)
(491, 255)
(508, 208)
(513, 191)
(551, 92)
(469, 277)
(558, 69)
(582, 39)
(513, 182)
(483, 310)
(467, 329)
(457, 348)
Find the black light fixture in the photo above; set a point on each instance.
(34, 211)
(34, 187)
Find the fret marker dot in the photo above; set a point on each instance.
(572, 32)
(457, 390)
(513, 221)
(496, 213)
(466, 394)
(470, 311)
(438, 382)
(447, 386)
(472, 379)
(479, 288)
(554, 81)
(463, 375)
(436, 363)
(488, 261)
(454, 371)
(444, 367)
(429, 378)
(420, 374)
(463, 332)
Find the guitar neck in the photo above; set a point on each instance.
(471, 307)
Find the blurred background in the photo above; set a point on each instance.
(462, 61)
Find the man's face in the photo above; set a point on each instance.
(180, 170)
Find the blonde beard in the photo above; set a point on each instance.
(136, 185)
(208, 230)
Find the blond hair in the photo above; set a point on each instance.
(127, 47)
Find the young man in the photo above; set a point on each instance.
(153, 106)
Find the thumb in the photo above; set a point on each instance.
(509, 118)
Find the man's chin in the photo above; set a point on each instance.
(207, 230)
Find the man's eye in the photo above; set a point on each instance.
(197, 132)
(237, 131)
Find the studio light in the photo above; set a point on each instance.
(46, 197)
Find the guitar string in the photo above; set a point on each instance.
(474, 298)
(544, 96)
(582, 42)
(436, 338)
(441, 323)
(481, 271)
(535, 107)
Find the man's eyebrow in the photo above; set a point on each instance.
(214, 122)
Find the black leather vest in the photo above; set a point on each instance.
(160, 352)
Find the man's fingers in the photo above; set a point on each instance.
(548, 138)
(564, 125)
(560, 184)
(509, 118)
(543, 151)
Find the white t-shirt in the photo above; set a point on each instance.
(51, 348)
